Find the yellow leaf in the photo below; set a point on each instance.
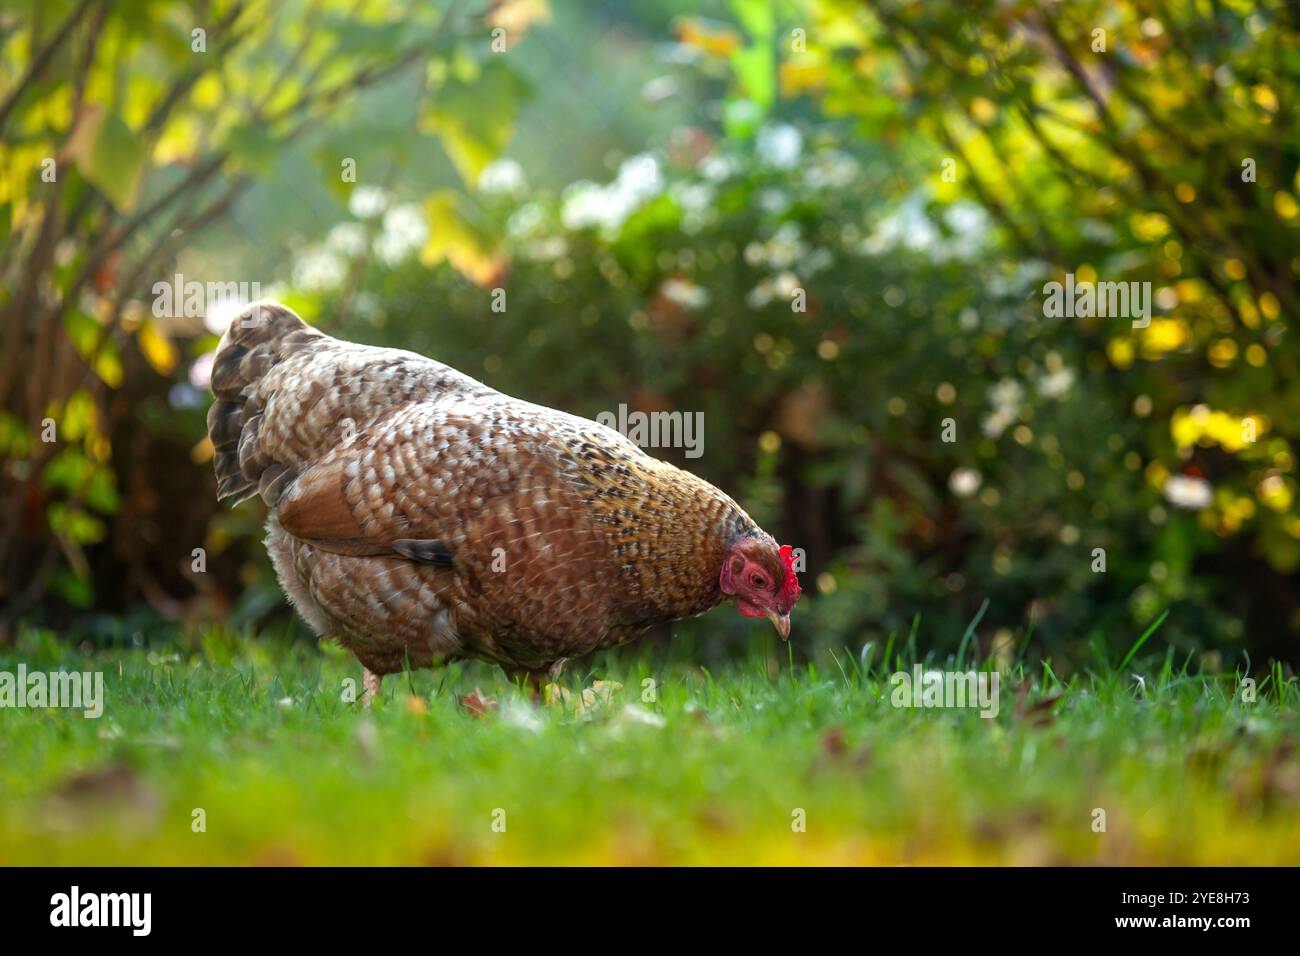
(78, 416)
(1149, 226)
(207, 93)
(179, 142)
(454, 238)
(1269, 305)
(801, 76)
(1222, 353)
(1264, 97)
(1274, 492)
(108, 365)
(474, 116)
(202, 453)
(714, 40)
(516, 16)
(156, 348)
(983, 110)
(553, 694)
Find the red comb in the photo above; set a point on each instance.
(790, 586)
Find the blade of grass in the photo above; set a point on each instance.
(889, 648)
(1029, 633)
(1143, 639)
(911, 639)
(970, 632)
(836, 658)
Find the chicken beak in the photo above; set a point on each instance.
(781, 622)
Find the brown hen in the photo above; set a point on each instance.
(418, 516)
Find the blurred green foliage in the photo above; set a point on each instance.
(128, 130)
(837, 251)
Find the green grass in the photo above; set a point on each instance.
(255, 734)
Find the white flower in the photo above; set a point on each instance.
(587, 204)
(583, 205)
(760, 295)
(639, 178)
(785, 248)
(831, 169)
(1006, 394)
(773, 201)
(501, 177)
(659, 88)
(686, 294)
(781, 286)
(1056, 384)
(318, 269)
(693, 197)
(779, 145)
(366, 202)
(785, 285)
(546, 249)
(525, 220)
(696, 203)
(715, 167)
(1188, 491)
(970, 227)
(201, 370)
(997, 422)
(404, 232)
(964, 482)
(347, 238)
(909, 225)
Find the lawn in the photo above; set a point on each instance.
(251, 738)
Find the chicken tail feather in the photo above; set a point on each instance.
(262, 335)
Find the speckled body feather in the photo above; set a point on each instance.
(552, 536)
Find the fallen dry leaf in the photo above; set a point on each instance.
(116, 783)
(116, 789)
(478, 705)
(1039, 713)
(555, 694)
(833, 741)
(600, 692)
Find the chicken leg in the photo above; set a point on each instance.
(371, 681)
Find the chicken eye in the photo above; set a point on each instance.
(757, 581)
